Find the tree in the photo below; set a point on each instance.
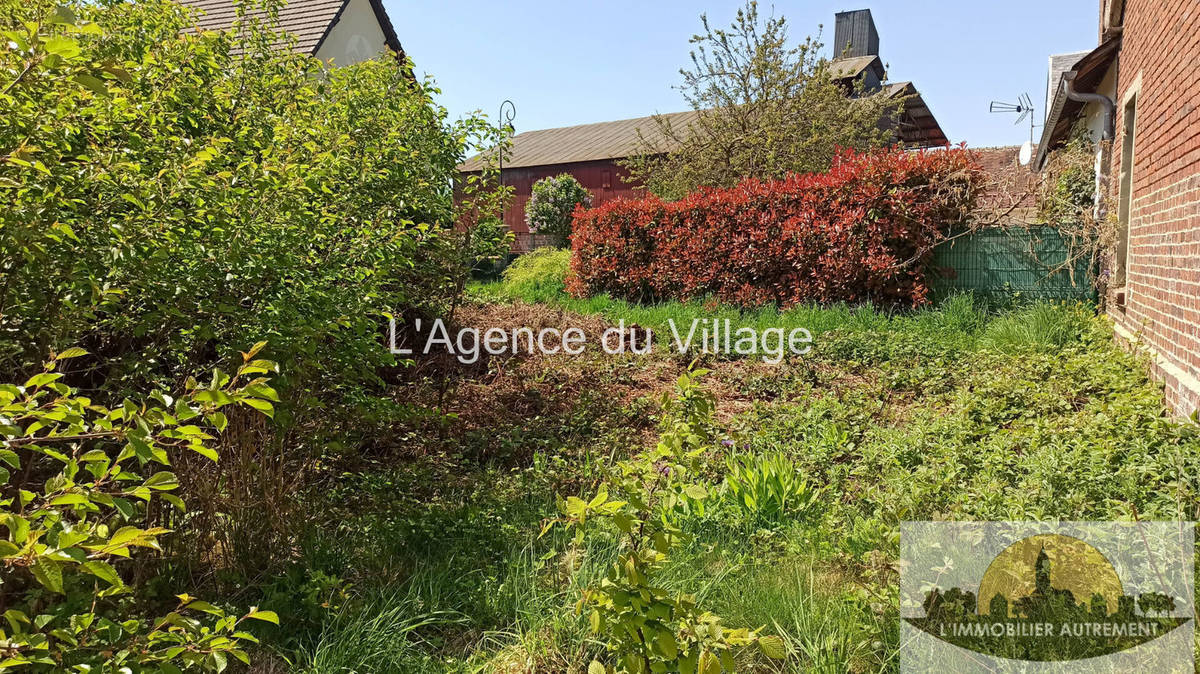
(552, 202)
(764, 109)
(172, 197)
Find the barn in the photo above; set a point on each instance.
(593, 152)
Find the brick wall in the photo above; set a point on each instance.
(1162, 312)
(1011, 193)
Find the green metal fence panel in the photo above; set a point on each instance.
(998, 264)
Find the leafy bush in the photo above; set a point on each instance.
(648, 628)
(539, 275)
(75, 506)
(552, 202)
(861, 232)
(172, 197)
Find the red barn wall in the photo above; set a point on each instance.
(603, 178)
(1160, 50)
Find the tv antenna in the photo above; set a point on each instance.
(1023, 107)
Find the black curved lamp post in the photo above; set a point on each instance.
(508, 112)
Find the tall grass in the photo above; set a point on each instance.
(1044, 325)
(824, 629)
(383, 632)
(960, 321)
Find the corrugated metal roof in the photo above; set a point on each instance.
(585, 142)
(309, 21)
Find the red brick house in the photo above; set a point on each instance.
(1139, 88)
(592, 152)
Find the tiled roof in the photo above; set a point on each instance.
(918, 127)
(1011, 189)
(585, 142)
(309, 21)
(854, 66)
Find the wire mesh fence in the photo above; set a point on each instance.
(1000, 264)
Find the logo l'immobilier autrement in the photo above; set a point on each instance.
(1054, 597)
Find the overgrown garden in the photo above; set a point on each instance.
(211, 460)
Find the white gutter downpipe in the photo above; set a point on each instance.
(1100, 211)
(1110, 108)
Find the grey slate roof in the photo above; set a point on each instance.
(585, 142)
(309, 21)
(1059, 64)
(1061, 113)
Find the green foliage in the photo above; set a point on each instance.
(768, 488)
(381, 633)
(647, 627)
(171, 196)
(897, 415)
(552, 202)
(1044, 326)
(1069, 194)
(539, 275)
(79, 485)
(1067, 202)
(764, 109)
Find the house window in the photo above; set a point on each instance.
(606, 179)
(1125, 203)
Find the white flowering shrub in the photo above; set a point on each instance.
(552, 203)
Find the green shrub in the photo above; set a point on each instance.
(538, 276)
(78, 503)
(172, 198)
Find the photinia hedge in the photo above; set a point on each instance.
(863, 231)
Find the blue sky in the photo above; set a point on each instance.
(570, 62)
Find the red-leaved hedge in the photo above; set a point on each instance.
(864, 231)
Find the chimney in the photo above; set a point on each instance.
(856, 29)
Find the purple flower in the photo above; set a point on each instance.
(727, 443)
